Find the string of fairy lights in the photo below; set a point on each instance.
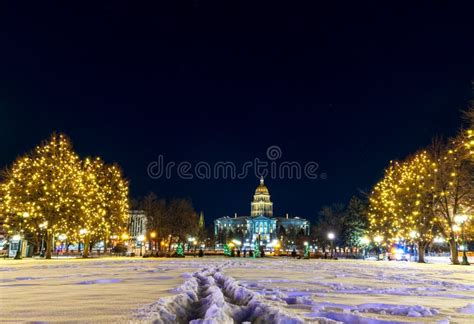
(51, 189)
(418, 198)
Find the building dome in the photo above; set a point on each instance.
(261, 204)
(262, 189)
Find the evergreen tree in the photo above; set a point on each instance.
(180, 250)
(355, 222)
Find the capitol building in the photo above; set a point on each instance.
(261, 225)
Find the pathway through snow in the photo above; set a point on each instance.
(209, 296)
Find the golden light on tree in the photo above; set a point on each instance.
(422, 195)
(54, 187)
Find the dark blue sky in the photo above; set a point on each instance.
(347, 87)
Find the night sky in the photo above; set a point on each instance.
(347, 87)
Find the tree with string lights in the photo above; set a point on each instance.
(402, 204)
(46, 185)
(454, 186)
(55, 189)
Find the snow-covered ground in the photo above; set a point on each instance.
(219, 290)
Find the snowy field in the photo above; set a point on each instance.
(221, 290)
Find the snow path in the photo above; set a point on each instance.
(221, 290)
(209, 296)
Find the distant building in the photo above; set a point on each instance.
(136, 224)
(260, 225)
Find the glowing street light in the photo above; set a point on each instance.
(364, 240)
(378, 239)
(237, 242)
(331, 237)
(438, 240)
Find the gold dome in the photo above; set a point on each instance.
(262, 189)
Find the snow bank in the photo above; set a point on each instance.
(468, 309)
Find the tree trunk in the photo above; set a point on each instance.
(36, 245)
(48, 245)
(85, 254)
(421, 252)
(105, 243)
(454, 250)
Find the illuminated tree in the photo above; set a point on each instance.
(116, 201)
(46, 184)
(226, 250)
(417, 198)
(180, 250)
(454, 187)
(402, 204)
(84, 200)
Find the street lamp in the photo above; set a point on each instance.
(331, 237)
(378, 239)
(82, 232)
(152, 240)
(365, 243)
(190, 241)
(438, 240)
(461, 219)
(20, 242)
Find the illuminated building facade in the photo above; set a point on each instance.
(260, 225)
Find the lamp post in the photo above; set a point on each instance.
(461, 219)
(152, 240)
(331, 237)
(18, 255)
(378, 239)
(190, 241)
(365, 243)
